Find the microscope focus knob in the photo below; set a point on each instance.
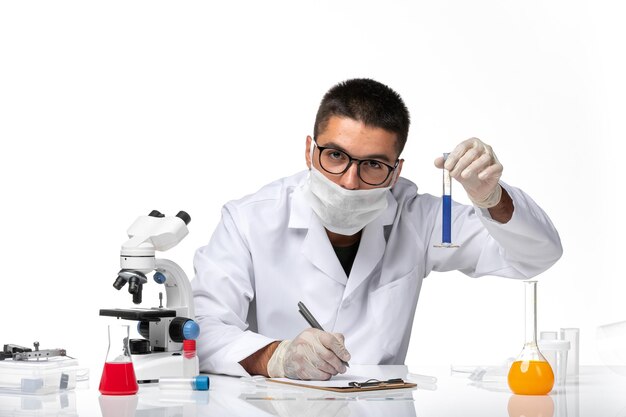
(182, 328)
(191, 330)
(159, 277)
(184, 216)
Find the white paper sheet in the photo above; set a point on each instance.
(335, 381)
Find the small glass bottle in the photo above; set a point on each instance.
(118, 375)
(191, 365)
(530, 373)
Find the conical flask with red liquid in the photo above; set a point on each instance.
(118, 375)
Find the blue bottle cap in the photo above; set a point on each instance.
(201, 383)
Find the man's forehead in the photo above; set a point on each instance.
(355, 137)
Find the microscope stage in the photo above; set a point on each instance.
(138, 314)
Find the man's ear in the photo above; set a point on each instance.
(307, 156)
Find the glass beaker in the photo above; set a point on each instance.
(118, 375)
(530, 373)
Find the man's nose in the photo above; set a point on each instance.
(350, 179)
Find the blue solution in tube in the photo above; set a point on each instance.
(446, 210)
(446, 225)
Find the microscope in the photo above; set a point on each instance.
(163, 329)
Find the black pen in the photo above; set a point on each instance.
(312, 322)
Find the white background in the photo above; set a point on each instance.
(111, 109)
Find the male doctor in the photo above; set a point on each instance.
(353, 241)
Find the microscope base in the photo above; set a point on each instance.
(152, 366)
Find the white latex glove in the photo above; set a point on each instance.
(312, 355)
(474, 165)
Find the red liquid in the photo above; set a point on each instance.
(118, 379)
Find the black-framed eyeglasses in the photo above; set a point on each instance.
(370, 171)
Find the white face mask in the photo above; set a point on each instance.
(343, 211)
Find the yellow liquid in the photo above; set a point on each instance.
(531, 378)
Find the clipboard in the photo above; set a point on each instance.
(354, 386)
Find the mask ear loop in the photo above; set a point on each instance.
(395, 175)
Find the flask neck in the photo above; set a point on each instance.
(118, 350)
(531, 313)
(531, 352)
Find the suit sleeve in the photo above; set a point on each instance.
(223, 289)
(524, 247)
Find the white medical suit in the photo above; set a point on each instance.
(270, 251)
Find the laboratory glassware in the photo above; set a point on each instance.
(191, 365)
(555, 352)
(572, 335)
(611, 345)
(196, 383)
(446, 209)
(530, 373)
(118, 375)
(548, 335)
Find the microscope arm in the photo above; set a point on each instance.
(177, 286)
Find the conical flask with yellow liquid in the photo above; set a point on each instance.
(530, 373)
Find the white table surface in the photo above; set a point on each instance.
(599, 391)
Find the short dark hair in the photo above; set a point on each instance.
(367, 101)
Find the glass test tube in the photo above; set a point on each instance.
(197, 383)
(446, 209)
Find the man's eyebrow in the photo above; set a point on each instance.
(378, 156)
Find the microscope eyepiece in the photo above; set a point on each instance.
(184, 216)
(156, 213)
